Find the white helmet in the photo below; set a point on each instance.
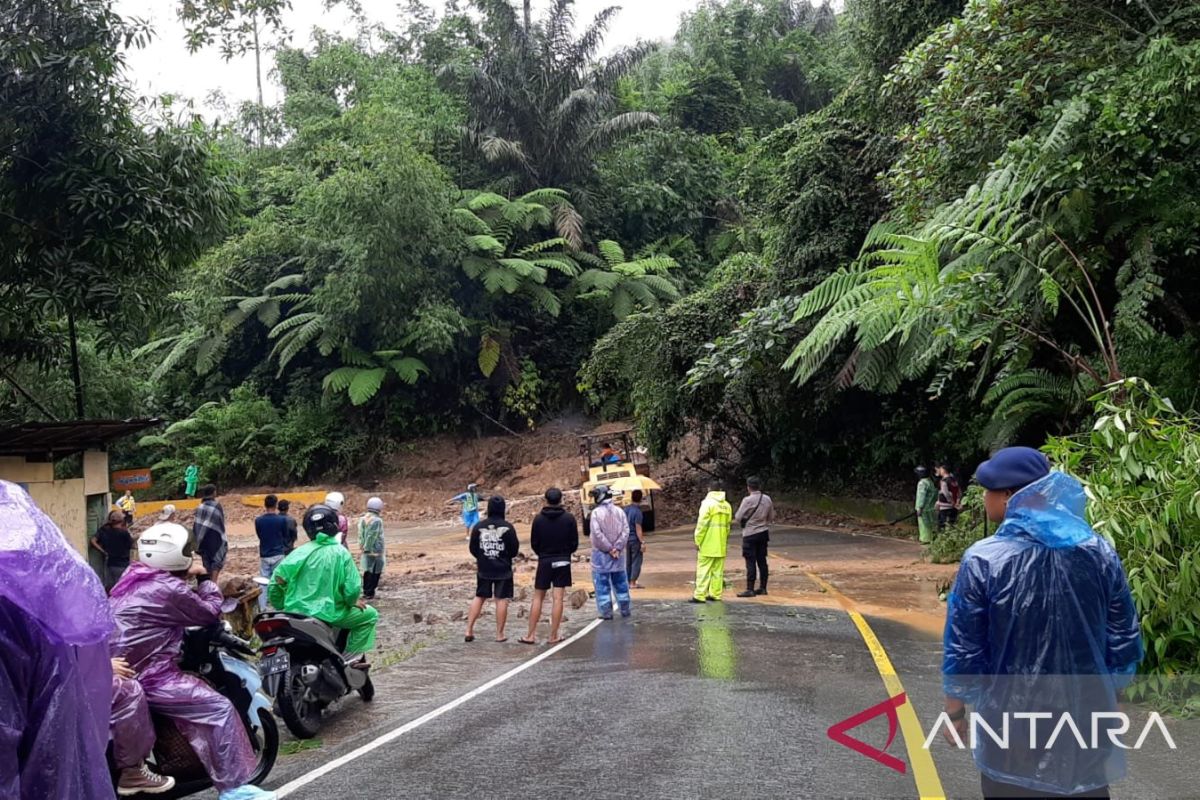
(166, 547)
(375, 504)
(335, 500)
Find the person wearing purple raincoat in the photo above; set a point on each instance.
(133, 736)
(55, 674)
(152, 606)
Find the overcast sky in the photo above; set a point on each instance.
(166, 67)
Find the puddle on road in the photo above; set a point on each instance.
(746, 643)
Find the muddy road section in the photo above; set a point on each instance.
(430, 578)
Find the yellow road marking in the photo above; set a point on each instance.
(929, 785)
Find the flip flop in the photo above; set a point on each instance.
(502, 641)
(559, 640)
(468, 638)
(524, 640)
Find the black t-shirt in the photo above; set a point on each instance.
(117, 542)
(494, 544)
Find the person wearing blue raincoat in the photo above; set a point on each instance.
(470, 506)
(55, 672)
(1040, 620)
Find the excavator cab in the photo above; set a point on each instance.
(614, 459)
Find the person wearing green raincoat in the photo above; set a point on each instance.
(321, 580)
(712, 539)
(926, 505)
(191, 479)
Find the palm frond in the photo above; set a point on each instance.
(485, 243)
(365, 384)
(620, 126)
(569, 224)
(408, 369)
(611, 252)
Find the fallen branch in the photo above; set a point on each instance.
(495, 421)
(706, 471)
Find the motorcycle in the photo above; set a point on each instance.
(219, 657)
(304, 668)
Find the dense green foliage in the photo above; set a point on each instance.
(992, 220)
(1140, 464)
(98, 212)
(821, 246)
(829, 244)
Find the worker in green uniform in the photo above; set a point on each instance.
(926, 505)
(321, 580)
(712, 539)
(191, 479)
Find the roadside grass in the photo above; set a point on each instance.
(399, 656)
(300, 746)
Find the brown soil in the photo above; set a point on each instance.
(421, 480)
(430, 578)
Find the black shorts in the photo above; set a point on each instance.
(487, 588)
(550, 575)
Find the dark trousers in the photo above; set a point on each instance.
(633, 558)
(947, 516)
(994, 790)
(370, 583)
(754, 550)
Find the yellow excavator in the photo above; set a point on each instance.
(615, 460)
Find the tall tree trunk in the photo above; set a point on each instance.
(258, 79)
(76, 377)
(528, 15)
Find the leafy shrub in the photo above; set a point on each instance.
(524, 397)
(949, 545)
(247, 439)
(1140, 465)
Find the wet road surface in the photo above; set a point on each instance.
(729, 699)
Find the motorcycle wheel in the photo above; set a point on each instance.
(367, 692)
(266, 743)
(302, 716)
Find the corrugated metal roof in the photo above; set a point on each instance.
(52, 440)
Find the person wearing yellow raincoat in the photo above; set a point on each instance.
(712, 538)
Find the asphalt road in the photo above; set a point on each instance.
(722, 700)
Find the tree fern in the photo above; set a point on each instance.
(1021, 396)
(489, 354)
(986, 270)
(626, 286)
(496, 233)
(297, 332)
(366, 384)
(362, 380)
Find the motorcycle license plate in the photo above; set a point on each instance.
(274, 664)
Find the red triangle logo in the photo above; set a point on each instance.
(837, 732)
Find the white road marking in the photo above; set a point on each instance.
(390, 736)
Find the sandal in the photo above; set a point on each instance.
(527, 640)
(468, 638)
